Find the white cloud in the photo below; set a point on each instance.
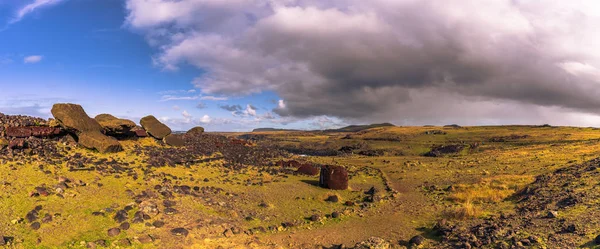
(29, 8)
(176, 108)
(165, 98)
(281, 104)
(214, 98)
(32, 59)
(205, 119)
(250, 110)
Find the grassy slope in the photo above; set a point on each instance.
(483, 176)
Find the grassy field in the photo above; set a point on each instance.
(273, 210)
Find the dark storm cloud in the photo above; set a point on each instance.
(375, 59)
(231, 108)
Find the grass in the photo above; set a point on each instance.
(483, 179)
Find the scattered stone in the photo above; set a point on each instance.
(35, 226)
(180, 231)
(149, 208)
(334, 177)
(417, 240)
(154, 127)
(373, 243)
(18, 143)
(552, 214)
(335, 215)
(124, 226)
(315, 217)
(332, 198)
(114, 232)
(145, 239)
(124, 242)
(2, 241)
(158, 223)
(47, 218)
(3, 143)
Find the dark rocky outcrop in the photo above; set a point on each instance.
(154, 127)
(114, 126)
(334, 177)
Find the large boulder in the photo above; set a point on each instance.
(73, 118)
(88, 131)
(333, 177)
(308, 169)
(196, 130)
(97, 140)
(174, 140)
(114, 126)
(154, 127)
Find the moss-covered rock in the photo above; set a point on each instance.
(114, 126)
(154, 127)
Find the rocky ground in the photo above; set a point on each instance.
(80, 182)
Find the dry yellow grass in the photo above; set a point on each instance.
(490, 190)
(466, 211)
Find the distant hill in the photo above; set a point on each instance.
(350, 128)
(272, 129)
(356, 128)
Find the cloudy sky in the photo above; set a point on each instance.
(234, 65)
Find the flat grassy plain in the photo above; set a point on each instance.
(272, 210)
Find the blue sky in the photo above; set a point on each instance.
(236, 65)
(79, 51)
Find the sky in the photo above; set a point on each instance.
(237, 65)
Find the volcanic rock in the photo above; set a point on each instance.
(41, 131)
(174, 140)
(139, 132)
(20, 132)
(35, 226)
(74, 119)
(3, 143)
(124, 226)
(114, 126)
(18, 143)
(145, 239)
(195, 131)
(373, 243)
(114, 232)
(149, 208)
(97, 140)
(417, 240)
(180, 231)
(308, 169)
(154, 127)
(334, 177)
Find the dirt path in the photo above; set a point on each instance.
(395, 220)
